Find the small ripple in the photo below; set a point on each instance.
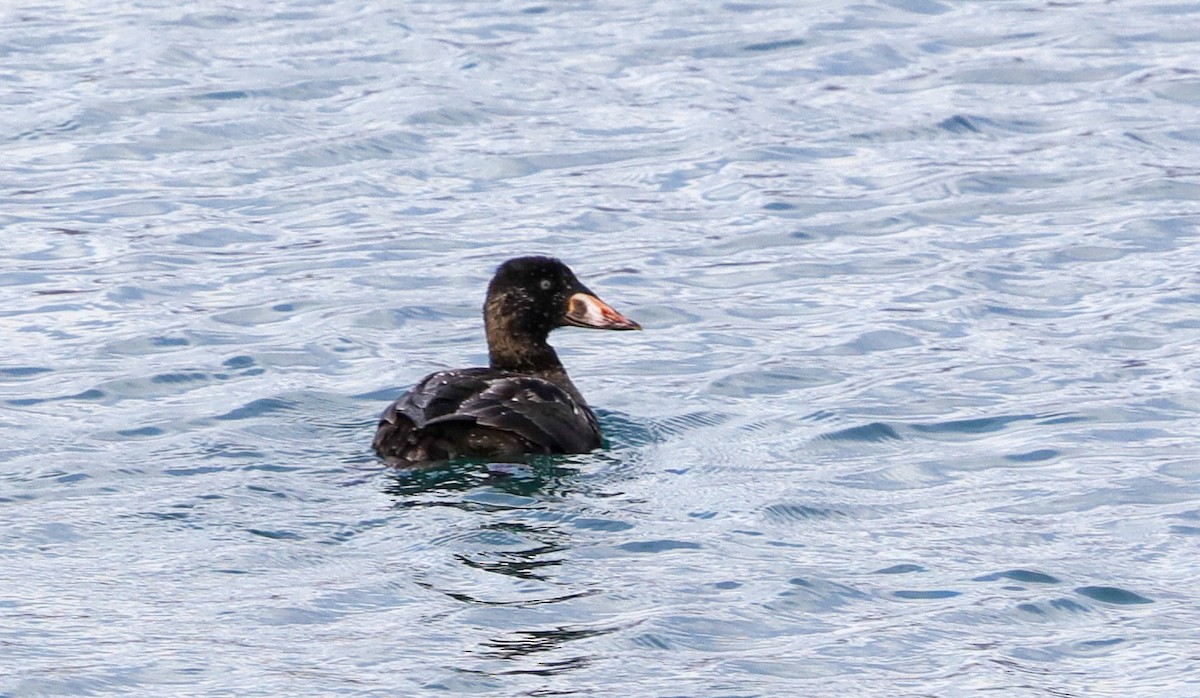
(294, 615)
(275, 534)
(1112, 595)
(983, 425)
(793, 513)
(772, 381)
(24, 371)
(713, 633)
(962, 125)
(874, 341)
(179, 377)
(91, 394)
(873, 432)
(198, 470)
(596, 524)
(1041, 454)
(141, 432)
(1019, 575)
(258, 408)
(1053, 419)
(925, 594)
(658, 546)
(773, 45)
(1059, 605)
(266, 314)
(683, 423)
(906, 568)
(805, 596)
(625, 431)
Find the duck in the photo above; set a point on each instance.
(523, 402)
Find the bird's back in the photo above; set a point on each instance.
(484, 412)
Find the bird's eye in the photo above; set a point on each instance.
(545, 284)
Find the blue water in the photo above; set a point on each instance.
(916, 411)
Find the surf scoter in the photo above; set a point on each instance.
(523, 402)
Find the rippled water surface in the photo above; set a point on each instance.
(916, 411)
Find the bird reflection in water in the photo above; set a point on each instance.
(522, 529)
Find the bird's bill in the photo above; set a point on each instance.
(586, 310)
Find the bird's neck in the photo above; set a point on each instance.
(507, 352)
(512, 349)
(517, 344)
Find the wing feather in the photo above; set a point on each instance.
(544, 415)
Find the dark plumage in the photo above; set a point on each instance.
(523, 402)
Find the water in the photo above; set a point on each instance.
(915, 412)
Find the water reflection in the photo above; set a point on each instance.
(502, 537)
(511, 553)
(522, 564)
(528, 642)
(521, 480)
